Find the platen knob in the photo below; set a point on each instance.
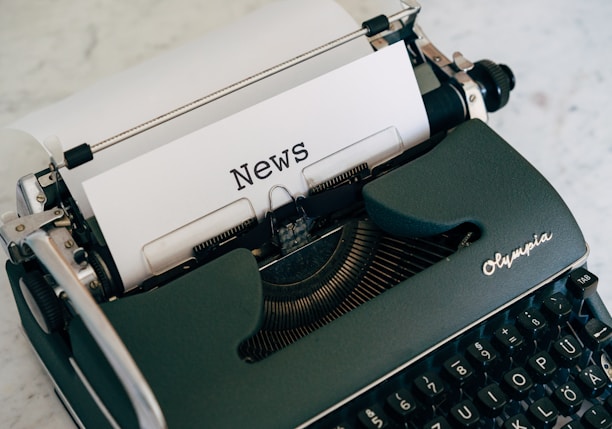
(495, 80)
(44, 305)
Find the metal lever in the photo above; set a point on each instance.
(145, 404)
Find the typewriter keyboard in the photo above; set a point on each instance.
(542, 363)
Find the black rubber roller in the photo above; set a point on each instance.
(376, 25)
(445, 108)
(78, 155)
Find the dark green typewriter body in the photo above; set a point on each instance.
(481, 314)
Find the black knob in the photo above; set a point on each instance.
(44, 305)
(495, 81)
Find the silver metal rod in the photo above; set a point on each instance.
(143, 399)
(173, 114)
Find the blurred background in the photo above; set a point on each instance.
(559, 116)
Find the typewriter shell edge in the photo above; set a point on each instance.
(487, 183)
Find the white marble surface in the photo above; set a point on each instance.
(559, 116)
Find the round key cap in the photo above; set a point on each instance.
(532, 323)
(543, 413)
(430, 388)
(518, 421)
(542, 367)
(567, 350)
(557, 308)
(596, 334)
(401, 404)
(457, 370)
(568, 398)
(465, 414)
(517, 383)
(596, 417)
(592, 380)
(581, 283)
(373, 418)
(492, 400)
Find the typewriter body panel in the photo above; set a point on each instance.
(505, 234)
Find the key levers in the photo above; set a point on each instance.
(308, 289)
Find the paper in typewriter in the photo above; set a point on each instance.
(216, 60)
(169, 198)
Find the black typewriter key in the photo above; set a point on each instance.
(517, 383)
(491, 400)
(568, 398)
(458, 370)
(581, 283)
(465, 415)
(482, 354)
(543, 413)
(532, 323)
(542, 367)
(557, 308)
(430, 388)
(437, 423)
(373, 418)
(401, 405)
(596, 334)
(608, 404)
(567, 350)
(508, 340)
(592, 380)
(596, 417)
(519, 421)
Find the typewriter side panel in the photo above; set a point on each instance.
(55, 356)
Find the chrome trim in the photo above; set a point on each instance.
(143, 400)
(69, 249)
(456, 69)
(68, 406)
(606, 364)
(30, 196)
(93, 394)
(13, 232)
(60, 393)
(475, 100)
(400, 368)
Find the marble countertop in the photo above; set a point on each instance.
(559, 116)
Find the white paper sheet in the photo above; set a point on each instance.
(247, 154)
(269, 36)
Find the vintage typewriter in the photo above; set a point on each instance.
(429, 281)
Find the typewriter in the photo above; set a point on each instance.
(418, 273)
